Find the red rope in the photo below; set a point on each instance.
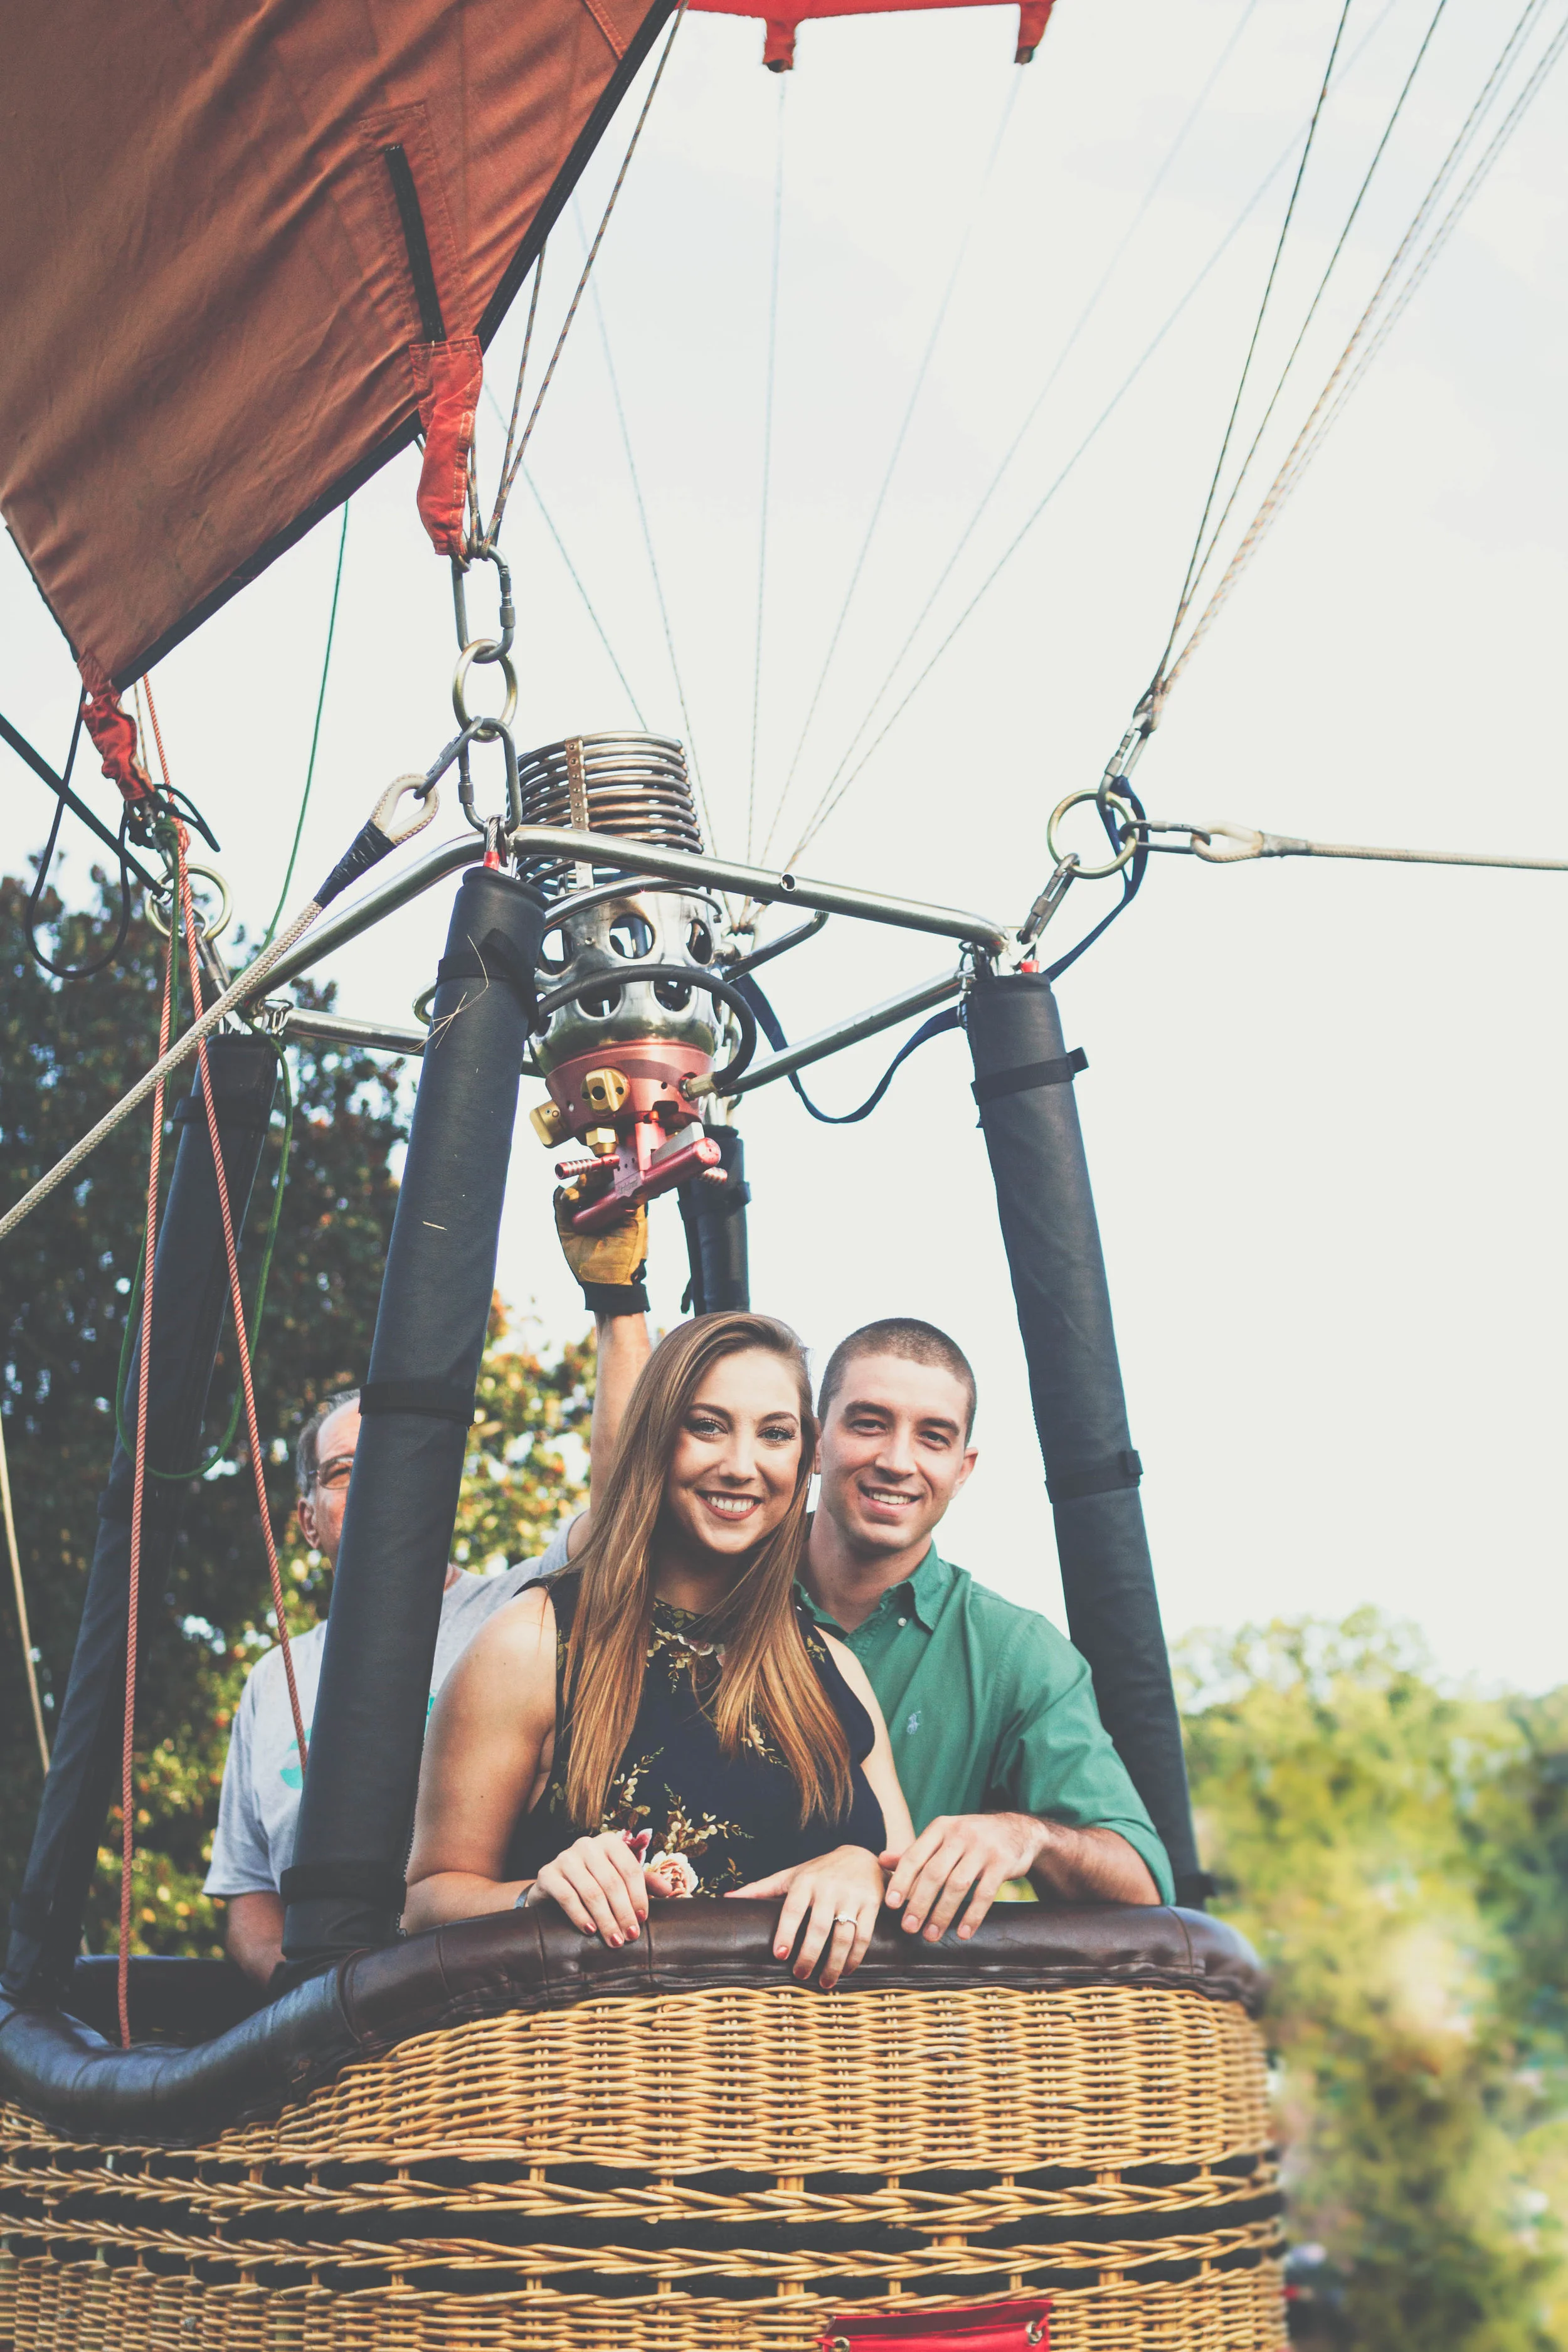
(237, 1304)
(127, 1790)
(132, 1600)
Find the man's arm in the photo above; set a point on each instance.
(254, 1936)
(970, 1855)
(623, 1348)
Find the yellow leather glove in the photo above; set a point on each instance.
(609, 1265)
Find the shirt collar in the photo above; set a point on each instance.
(920, 1595)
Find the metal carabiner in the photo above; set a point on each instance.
(485, 649)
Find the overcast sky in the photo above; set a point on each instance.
(1323, 1106)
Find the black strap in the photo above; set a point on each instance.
(1059, 1073)
(372, 1881)
(1118, 1470)
(31, 1915)
(442, 1400)
(493, 958)
(615, 1298)
(194, 1107)
(772, 1030)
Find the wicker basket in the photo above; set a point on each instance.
(719, 2168)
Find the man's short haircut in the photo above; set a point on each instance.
(905, 1336)
(308, 1453)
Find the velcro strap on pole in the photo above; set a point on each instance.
(371, 1881)
(442, 1400)
(1057, 1073)
(1118, 1470)
(493, 958)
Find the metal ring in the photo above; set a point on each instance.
(845, 1919)
(1129, 848)
(479, 651)
(209, 930)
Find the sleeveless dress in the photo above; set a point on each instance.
(734, 1818)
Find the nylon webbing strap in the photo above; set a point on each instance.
(193, 1108)
(1118, 1470)
(1057, 1073)
(442, 1400)
(372, 1881)
(490, 959)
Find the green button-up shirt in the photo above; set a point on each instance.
(989, 1709)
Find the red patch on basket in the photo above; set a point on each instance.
(966, 2327)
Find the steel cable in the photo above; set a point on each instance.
(839, 784)
(767, 470)
(1218, 532)
(915, 390)
(1330, 401)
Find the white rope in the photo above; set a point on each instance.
(516, 466)
(1384, 309)
(999, 137)
(767, 470)
(183, 1050)
(839, 784)
(652, 559)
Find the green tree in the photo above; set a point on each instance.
(1399, 1854)
(67, 1052)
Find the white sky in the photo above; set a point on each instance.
(1323, 1106)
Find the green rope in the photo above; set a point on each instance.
(226, 1440)
(315, 732)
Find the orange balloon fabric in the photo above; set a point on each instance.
(781, 23)
(209, 268)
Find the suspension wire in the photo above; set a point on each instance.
(821, 813)
(515, 466)
(1190, 583)
(999, 137)
(652, 559)
(315, 732)
(1382, 310)
(575, 576)
(506, 466)
(767, 466)
(35, 896)
(1218, 532)
(20, 1593)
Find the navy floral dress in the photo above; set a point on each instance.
(734, 1817)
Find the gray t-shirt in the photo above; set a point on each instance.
(259, 1805)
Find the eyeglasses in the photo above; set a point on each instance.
(335, 1473)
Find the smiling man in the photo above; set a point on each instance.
(1008, 1771)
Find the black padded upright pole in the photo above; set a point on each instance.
(344, 1889)
(713, 1211)
(1024, 1086)
(190, 1293)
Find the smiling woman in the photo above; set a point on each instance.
(661, 1719)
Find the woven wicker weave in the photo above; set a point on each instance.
(708, 2171)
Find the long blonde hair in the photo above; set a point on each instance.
(766, 1682)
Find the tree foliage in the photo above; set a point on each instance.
(68, 1051)
(1399, 1855)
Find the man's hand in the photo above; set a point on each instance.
(971, 1854)
(957, 1855)
(614, 1260)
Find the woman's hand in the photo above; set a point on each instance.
(602, 1885)
(838, 1897)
